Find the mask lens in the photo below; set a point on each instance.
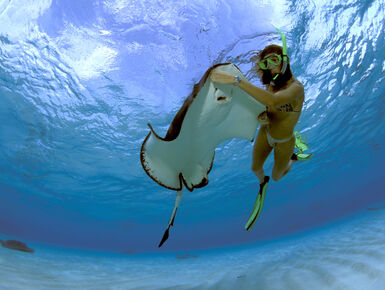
(274, 59)
(263, 64)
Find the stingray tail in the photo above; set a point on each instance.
(171, 222)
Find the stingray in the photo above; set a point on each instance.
(211, 114)
(16, 245)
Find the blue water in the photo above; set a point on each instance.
(80, 80)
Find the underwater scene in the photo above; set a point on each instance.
(125, 164)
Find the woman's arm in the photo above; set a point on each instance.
(268, 99)
(264, 97)
(259, 94)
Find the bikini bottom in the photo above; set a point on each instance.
(273, 142)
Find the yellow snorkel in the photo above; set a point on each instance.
(284, 53)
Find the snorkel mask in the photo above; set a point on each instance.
(276, 59)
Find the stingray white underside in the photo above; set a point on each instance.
(219, 112)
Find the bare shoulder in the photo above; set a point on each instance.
(293, 90)
(296, 87)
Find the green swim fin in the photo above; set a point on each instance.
(258, 204)
(300, 143)
(301, 156)
(301, 146)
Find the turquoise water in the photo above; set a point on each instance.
(80, 80)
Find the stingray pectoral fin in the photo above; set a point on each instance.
(158, 158)
(258, 204)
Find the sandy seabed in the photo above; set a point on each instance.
(348, 255)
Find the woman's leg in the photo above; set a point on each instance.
(261, 151)
(282, 161)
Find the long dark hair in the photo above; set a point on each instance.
(265, 75)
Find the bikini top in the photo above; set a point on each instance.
(288, 108)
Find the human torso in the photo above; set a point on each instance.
(283, 119)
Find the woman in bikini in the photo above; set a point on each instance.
(283, 97)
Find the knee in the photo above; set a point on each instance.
(276, 175)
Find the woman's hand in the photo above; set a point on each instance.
(222, 77)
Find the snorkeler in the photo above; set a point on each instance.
(283, 98)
